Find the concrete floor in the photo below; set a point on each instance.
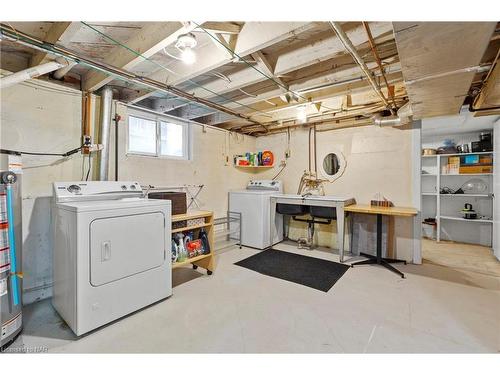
(466, 257)
(435, 309)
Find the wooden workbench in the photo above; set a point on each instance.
(389, 211)
(381, 211)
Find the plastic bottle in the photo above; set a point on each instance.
(203, 236)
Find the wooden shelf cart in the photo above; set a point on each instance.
(206, 261)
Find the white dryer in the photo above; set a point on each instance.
(254, 204)
(111, 251)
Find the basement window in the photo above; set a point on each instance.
(158, 136)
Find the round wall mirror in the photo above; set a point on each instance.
(331, 164)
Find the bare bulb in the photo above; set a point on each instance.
(188, 56)
(301, 114)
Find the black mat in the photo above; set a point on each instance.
(308, 271)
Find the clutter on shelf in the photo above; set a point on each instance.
(468, 164)
(483, 144)
(192, 243)
(381, 201)
(255, 159)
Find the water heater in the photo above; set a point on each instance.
(10, 248)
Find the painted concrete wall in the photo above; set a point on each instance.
(377, 160)
(39, 116)
(207, 165)
(46, 118)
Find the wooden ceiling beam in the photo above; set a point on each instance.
(253, 37)
(151, 39)
(222, 27)
(58, 32)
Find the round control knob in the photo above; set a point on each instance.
(74, 189)
(132, 187)
(124, 187)
(273, 183)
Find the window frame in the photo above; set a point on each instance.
(158, 119)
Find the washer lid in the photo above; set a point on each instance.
(114, 204)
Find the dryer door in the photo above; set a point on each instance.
(126, 245)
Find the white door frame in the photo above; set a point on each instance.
(416, 166)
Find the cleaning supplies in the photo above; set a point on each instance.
(175, 251)
(203, 236)
(181, 250)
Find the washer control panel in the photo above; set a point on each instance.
(273, 185)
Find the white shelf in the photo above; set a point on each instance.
(468, 174)
(468, 153)
(467, 195)
(429, 194)
(429, 174)
(457, 218)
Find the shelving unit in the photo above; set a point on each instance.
(445, 207)
(254, 166)
(206, 261)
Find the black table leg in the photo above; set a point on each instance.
(378, 258)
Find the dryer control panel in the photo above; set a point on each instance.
(95, 190)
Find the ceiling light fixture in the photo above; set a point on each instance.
(185, 43)
(302, 114)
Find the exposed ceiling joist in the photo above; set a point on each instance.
(269, 69)
(222, 27)
(148, 41)
(307, 55)
(58, 32)
(488, 101)
(436, 58)
(253, 37)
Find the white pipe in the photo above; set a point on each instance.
(105, 128)
(33, 72)
(60, 73)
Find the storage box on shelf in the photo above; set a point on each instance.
(195, 221)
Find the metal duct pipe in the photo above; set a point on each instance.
(104, 132)
(402, 117)
(33, 72)
(359, 60)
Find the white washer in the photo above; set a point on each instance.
(254, 203)
(111, 251)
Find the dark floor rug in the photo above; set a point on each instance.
(312, 272)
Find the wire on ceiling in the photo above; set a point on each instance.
(270, 78)
(169, 70)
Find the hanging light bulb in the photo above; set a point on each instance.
(188, 56)
(302, 114)
(185, 43)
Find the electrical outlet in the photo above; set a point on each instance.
(288, 153)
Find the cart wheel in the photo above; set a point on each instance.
(209, 272)
(195, 266)
(405, 262)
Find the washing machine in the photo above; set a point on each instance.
(254, 204)
(111, 251)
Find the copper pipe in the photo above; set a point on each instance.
(25, 39)
(351, 49)
(373, 47)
